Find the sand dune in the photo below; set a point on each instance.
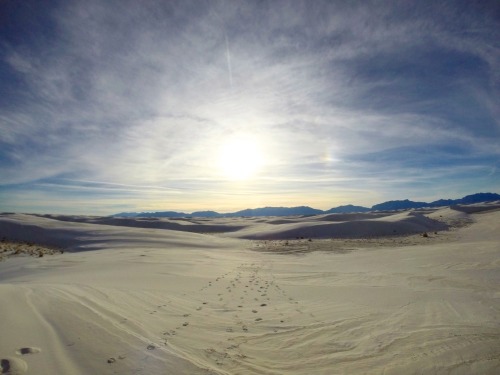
(409, 224)
(153, 300)
(322, 226)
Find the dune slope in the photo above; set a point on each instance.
(156, 301)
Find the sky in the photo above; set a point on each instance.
(117, 105)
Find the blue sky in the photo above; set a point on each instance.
(110, 106)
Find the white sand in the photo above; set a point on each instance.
(152, 300)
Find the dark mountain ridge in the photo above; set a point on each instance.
(305, 210)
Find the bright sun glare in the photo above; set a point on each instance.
(240, 158)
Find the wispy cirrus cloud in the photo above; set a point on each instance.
(395, 98)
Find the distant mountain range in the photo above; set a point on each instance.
(305, 210)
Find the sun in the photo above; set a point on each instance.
(240, 158)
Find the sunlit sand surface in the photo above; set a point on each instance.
(395, 293)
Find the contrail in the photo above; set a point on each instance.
(228, 54)
(228, 58)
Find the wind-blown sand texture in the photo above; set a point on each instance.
(329, 294)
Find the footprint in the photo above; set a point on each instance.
(263, 304)
(254, 311)
(13, 366)
(28, 350)
(258, 319)
(185, 324)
